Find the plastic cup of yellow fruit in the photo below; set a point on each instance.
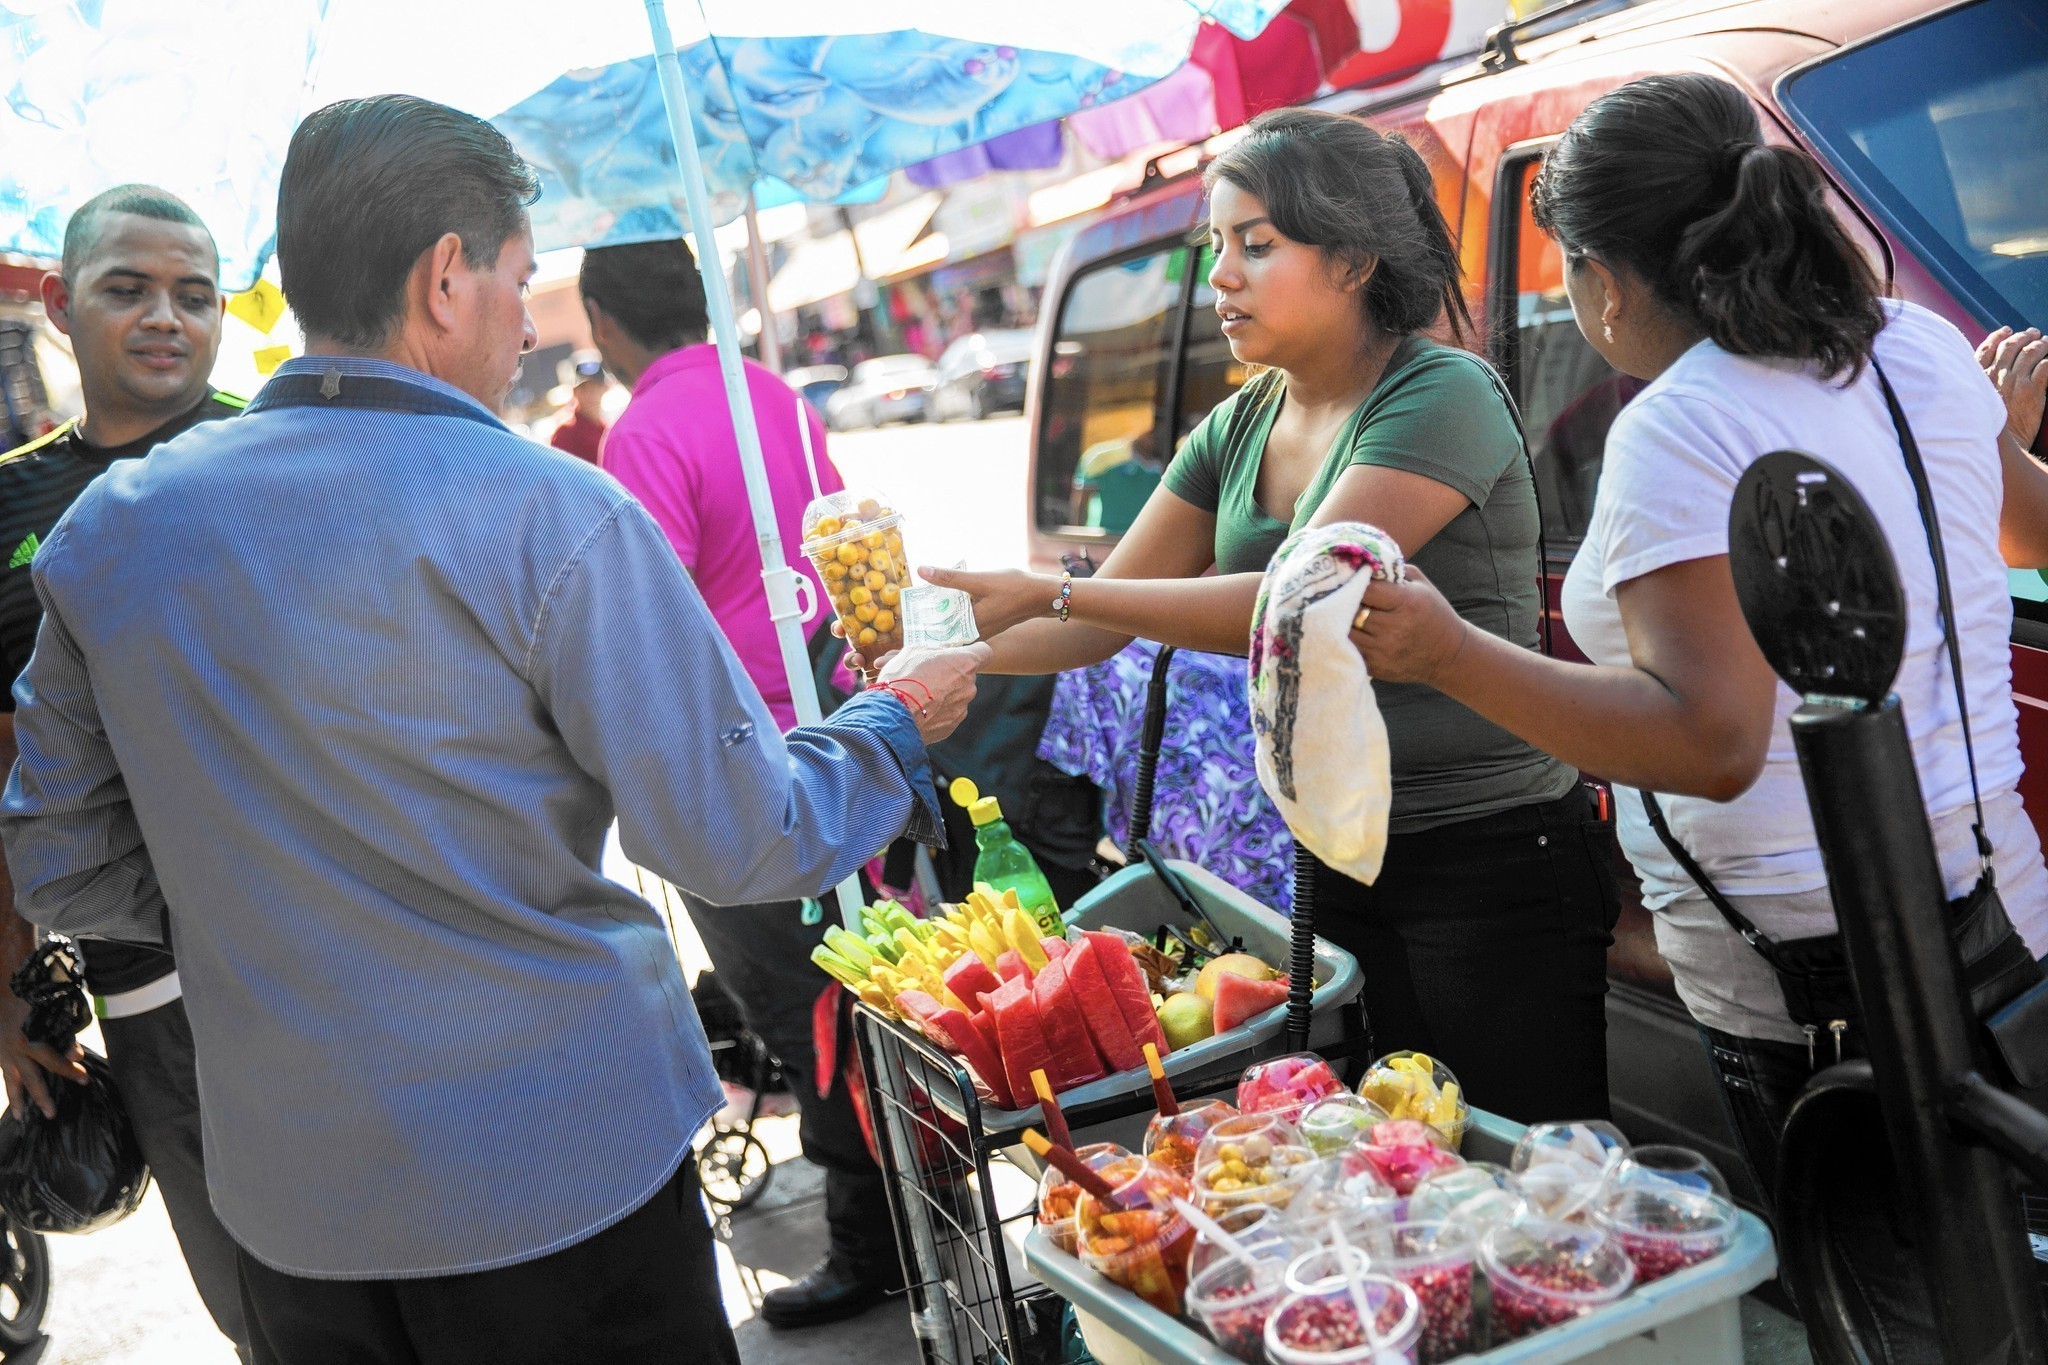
(1414, 1085)
(855, 541)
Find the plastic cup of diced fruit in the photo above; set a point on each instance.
(1478, 1197)
(1544, 1273)
(1414, 1085)
(1286, 1085)
(1403, 1152)
(1324, 1326)
(855, 542)
(1434, 1258)
(1171, 1140)
(1058, 1195)
(1232, 1300)
(1337, 1121)
(1136, 1238)
(1561, 1167)
(1251, 1159)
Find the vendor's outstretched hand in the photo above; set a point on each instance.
(1002, 597)
(1411, 634)
(947, 674)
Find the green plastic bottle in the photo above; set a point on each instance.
(1004, 863)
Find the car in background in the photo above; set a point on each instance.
(889, 388)
(817, 384)
(1929, 119)
(983, 372)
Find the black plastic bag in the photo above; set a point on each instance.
(82, 1170)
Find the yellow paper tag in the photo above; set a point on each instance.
(270, 357)
(260, 307)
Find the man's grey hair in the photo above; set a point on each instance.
(82, 233)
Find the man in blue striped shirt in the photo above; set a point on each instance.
(348, 691)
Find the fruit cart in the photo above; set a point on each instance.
(1688, 1318)
(956, 1167)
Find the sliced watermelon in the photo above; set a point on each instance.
(1072, 1052)
(1022, 1037)
(1011, 965)
(984, 1021)
(1054, 948)
(970, 977)
(1106, 1026)
(956, 1033)
(1127, 983)
(1239, 998)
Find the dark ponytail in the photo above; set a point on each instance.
(1669, 177)
(1365, 199)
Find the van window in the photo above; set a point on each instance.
(1100, 443)
(1568, 395)
(1943, 130)
(1209, 372)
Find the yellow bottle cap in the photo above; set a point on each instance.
(986, 811)
(964, 792)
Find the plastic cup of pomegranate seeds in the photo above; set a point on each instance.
(1257, 1228)
(1323, 1326)
(1233, 1300)
(1354, 1207)
(1666, 1208)
(1433, 1258)
(1058, 1194)
(1544, 1273)
(1322, 1266)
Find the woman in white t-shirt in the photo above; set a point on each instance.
(1708, 264)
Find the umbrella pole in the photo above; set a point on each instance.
(779, 579)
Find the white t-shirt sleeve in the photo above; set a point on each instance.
(1666, 485)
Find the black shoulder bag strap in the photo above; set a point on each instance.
(1925, 495)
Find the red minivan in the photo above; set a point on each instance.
(1931, 120)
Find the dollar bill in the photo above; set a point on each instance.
(937, 618)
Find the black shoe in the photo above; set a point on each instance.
(834, 1290)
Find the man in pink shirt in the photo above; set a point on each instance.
(674, 449)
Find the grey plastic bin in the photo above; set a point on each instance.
(1136, 900)
(1691, 1318)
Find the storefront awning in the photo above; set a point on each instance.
(891, 243)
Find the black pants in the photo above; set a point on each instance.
(1484, 943)
(1885, 1295)
(762, 954)
(642, 1292)
(151, 1058)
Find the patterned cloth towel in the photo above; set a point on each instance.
(1322, 747)
(1207, 807)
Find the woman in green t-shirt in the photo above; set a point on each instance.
(1484, 939)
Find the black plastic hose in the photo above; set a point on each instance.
(1301, 965)
(1149, 738)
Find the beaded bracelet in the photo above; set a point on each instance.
(1060, 604)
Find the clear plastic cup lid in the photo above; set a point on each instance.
(1414, 1085)
(838, 518)
(1287, 1085)
(1323, 1267)
(1420, 1241)
(1335, 1122)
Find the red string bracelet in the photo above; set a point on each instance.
(900, 695)
(912, 682)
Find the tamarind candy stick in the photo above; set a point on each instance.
(1055, 1121)
(1162, 1091)
(1071, 1166)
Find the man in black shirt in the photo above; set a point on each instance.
(137, 295)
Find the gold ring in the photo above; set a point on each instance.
(1358, 621)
